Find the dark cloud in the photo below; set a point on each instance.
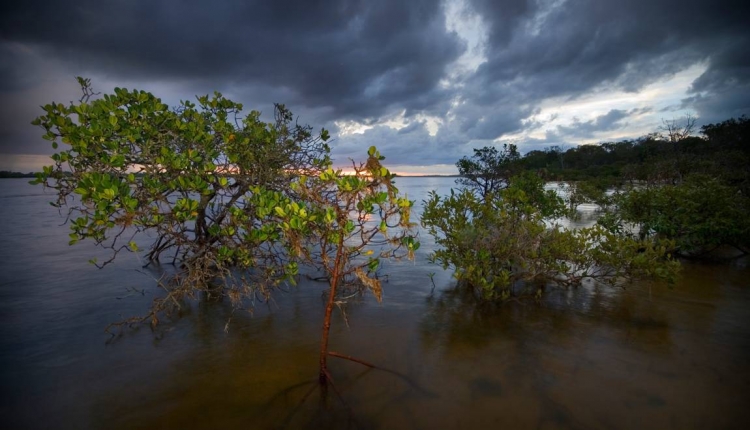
(369, 61)
(612, 120)
(566, 48)
(489, 121)
(723, 90)
(358, 57)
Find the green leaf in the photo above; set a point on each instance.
(373, 264)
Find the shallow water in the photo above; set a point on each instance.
(647, 356)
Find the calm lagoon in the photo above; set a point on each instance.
(648, 356)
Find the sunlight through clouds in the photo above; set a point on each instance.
(657, 101)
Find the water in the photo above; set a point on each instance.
(644, 357)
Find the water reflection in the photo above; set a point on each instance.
(637, 357)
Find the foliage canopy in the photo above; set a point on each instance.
(236, 203)
(488, 170)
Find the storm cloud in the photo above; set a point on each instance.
(454, 74)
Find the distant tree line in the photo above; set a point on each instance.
(673, 184)
(720, 150)
(9, 174)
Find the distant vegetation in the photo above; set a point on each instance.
(8, 174)
(673, 184)
(668, 156)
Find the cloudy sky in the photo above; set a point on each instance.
(425, 81)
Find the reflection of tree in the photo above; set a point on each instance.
(457, 319)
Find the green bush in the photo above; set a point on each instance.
(507, 241)
(699, 215)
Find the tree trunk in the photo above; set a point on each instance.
(322, 376)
